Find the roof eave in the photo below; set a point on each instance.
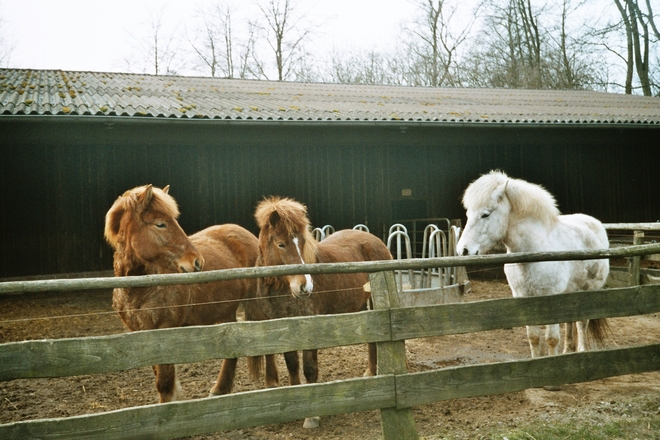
(124, 119)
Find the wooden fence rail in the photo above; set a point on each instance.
(393, 391)
(102, 354)
(15, 287)
(634, 274)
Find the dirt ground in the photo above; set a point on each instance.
(61, 315)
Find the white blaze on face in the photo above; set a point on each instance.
(309, 284)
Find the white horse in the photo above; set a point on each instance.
(524, 216)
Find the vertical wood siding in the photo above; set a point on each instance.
(58, 179)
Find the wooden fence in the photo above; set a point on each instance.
(393, 391)
(634, 273)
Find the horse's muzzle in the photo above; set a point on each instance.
(301, 294)
(301, 289)
(196, 267)
(466, 252)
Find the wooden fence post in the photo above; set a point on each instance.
(396, 424)
(635, 262)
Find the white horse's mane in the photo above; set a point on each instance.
(526, 199)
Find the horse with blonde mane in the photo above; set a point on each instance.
(525, 218)
(285, 238)
(142, 229)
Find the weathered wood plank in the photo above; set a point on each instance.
(13, 287)
(201, 416)
(632, 226)
(66, 357)
(70, 357)
(636, 261)
(619, 276)
(506, 377)
(445, 319)
(396, 424)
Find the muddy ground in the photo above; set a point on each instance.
(61, 315)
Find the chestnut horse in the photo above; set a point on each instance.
(285, 238)
(141, 227)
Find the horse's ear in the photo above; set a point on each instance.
(512, 191)
(501, 191)
(145, 197)
(506, 185)
(274, 219)
(166, 190)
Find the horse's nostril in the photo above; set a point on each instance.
(465, 252)
(198, 265)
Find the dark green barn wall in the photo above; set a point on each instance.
(61, 174)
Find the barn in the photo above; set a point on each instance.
(72, 142)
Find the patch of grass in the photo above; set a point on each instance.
(633, 420)
(640, 425)
(616, 430)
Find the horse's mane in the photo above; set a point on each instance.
(133, 200)
(161, 201)
(526, 199)
(292, 216)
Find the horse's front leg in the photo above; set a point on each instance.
(552, 338)
(167, 384)
(534, 338)
(311, 365)
(293, 365)
(570, 335)
(373, 362)
(272, 377)
(225, 378)
(311, 370)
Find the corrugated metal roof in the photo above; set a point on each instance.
(56, 92)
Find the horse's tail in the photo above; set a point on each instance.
(598, 329)
(255, 367)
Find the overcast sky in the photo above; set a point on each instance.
(99, 35)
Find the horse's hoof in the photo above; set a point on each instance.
(215, 392)
(552, 388)
(177, 393)
(311, 423)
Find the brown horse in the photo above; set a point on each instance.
(141, 227)
(285, 238)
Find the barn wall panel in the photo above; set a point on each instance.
(60, 179)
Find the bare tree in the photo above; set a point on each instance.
(215, 46)
(641, 32)
(566, 60)
(365, 67)
(286, 32)
(250, 66)
(572, 58)
(159, 52)
(433, 44)
(515, 49)
(508, 49)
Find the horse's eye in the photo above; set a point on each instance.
(280, 245)
(161, 225)
(485, 215)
